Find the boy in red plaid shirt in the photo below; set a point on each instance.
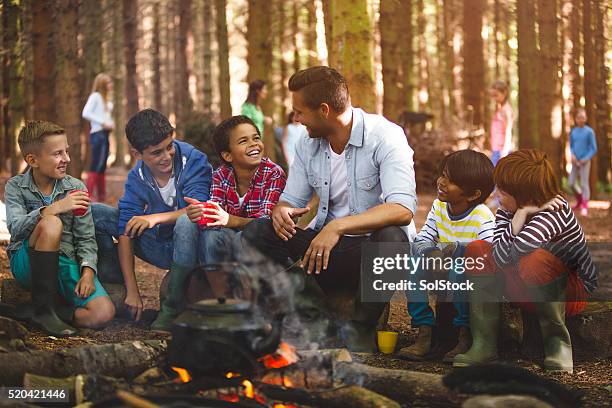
(245, 187)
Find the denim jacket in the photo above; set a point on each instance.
(379, 169)
(23, 205)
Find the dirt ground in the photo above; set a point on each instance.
(592, 377)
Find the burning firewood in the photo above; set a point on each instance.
(347, 396)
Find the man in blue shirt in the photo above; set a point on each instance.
(583, 146)
(360, 165)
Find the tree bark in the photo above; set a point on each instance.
(223, 51)
(390, 25)
(116, 360)
(603, 165)
(68, 101)
(295, 29)
(156, 59)
(328, 23)
(130, 15)
(311, 34)
(590, 80)
(575, 29)
(353, 57)
(207, 97)
(282, 49)
(352, 396)
(448, 10)
(93, 29)
(44, 60)
(549, 101)
(527, 70)
(119, 86)
(407, 54)
(259, 38)
(473, 59)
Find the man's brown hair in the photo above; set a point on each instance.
(33, 133)
(321, 85)
(528, 176)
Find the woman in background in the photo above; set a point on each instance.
(251, 108)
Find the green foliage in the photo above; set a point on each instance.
(198, 131)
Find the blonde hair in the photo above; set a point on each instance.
(100, 85)
(33, 133)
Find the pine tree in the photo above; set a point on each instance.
(223, 58)
(44, 60)
(528, 75)
(391, 21)
(130, 15)
(473, 59)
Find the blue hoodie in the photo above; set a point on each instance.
(192, 178)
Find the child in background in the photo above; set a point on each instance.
(457, 216)
(501, 123)
(53, 247)
(245, 187)
(540, 255)
(583, 146)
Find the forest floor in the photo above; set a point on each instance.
(593, 377)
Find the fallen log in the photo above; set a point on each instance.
(116, 360)
(348, 396)
(399, 385)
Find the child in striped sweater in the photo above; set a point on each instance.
(456, 218)
(539, 253)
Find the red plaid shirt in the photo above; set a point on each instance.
(266, 187)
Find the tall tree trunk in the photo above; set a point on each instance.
(549, 101)
(496, 34)
(328, 10)
(528, 78)
(93, 29)
(130, 15)
(590, 79)
(223, 51)
(185, 103)
(67, 94)
(407, 54)
(353, 40)
(156, 59)
(44, 60)
(118, 73)
(448, 11)
(281, 36)
(259, 38)
(390, 25)
(311, 34)
(207, 60)
(575, 29)
(424, 61)
(295, 30)
(602, 130)
(473, 59)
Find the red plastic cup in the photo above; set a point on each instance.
(79, 212)
(203, 222)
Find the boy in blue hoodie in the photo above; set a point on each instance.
(154, 221)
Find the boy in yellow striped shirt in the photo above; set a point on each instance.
(457, 217)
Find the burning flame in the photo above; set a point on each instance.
(231, 375)
(287, 382)
(183, 374)
(282, 357)
(248, 389)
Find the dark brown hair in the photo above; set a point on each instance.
(528, 176)
(471, 171)
(254, 87)
(221, 135)
(33, 133)
(321, 85)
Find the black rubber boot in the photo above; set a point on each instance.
(44, 271)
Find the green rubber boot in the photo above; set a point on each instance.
(550, 307)
(44, 267)
(173, 304)
(484, 322)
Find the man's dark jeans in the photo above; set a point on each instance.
(343, 272)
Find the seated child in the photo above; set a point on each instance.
(152, 221)
(246, 186)
(459, 215)
(52, 250)
(540, 255)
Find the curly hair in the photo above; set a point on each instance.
(222, 132)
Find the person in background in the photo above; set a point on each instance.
(291, 135)
(98, 111)
(501, 123)
(583, 146)
(251, 108)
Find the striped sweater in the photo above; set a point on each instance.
(556, 231)
(476, 223)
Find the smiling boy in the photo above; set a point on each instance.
(52, 250)
(152, 220)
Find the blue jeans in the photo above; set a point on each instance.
(99, 144)
(421, 313)
(183, 248)
(222, 245)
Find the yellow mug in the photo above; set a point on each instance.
(387, 341)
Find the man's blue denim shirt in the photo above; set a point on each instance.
(379, 169)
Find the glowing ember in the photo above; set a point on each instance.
(231, 375)
(282, 357)
(183, 374)
(284, 406)
(248, 389)
(287, 382)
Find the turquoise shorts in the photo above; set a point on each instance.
(69, 275)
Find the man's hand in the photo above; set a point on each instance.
(85, 286)
(317, 254)
(554, 204)
(73, 201)
(139, 224)
(284, 219)
(194, 209)
(133, 303)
